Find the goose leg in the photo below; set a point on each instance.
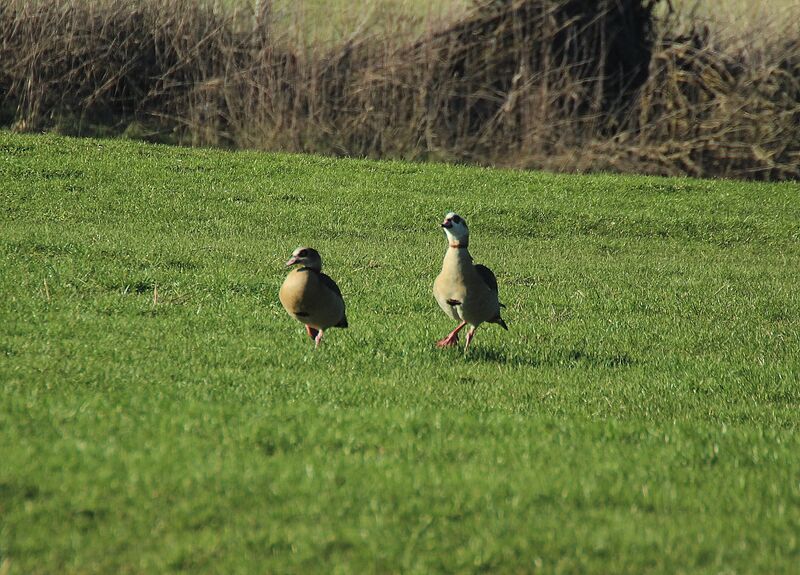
(470, 335)
(451, 339)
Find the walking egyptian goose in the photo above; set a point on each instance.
(311, 297)
(466, 292)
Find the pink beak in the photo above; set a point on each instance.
(292, 260)
(447, 224)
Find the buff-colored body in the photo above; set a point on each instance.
(310, 296)
(466, 292)
(310, 301)
(459, 281)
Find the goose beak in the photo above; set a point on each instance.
(292, 260)
(447, 224)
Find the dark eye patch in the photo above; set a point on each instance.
(457, 219)
(303, 253)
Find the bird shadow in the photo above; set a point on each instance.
(562, 358)
(493, 355)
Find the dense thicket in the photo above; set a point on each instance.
(558, 84)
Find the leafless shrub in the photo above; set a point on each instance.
(710, 110)
(557, 84)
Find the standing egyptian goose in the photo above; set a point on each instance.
(466, 292)
(311, 297)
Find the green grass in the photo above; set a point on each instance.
(641, 414)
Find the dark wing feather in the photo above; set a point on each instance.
(330, 284)
(487, 276)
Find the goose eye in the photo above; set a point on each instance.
(303, 253)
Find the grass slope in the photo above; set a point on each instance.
(640, 416)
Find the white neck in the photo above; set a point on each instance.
(456, 238)
(457, 257)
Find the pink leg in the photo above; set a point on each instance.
(317, 339)
(470, 335)
(312, 333)
(451, 339)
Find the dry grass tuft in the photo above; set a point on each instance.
(557, 84)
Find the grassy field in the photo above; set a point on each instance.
(321, 22)
(640, 416)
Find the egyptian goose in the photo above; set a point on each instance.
(466, 292)
(310, 296)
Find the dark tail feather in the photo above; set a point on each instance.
(499, 321)
(343, 322)
(502, 305)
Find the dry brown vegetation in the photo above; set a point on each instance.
(625, 85)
